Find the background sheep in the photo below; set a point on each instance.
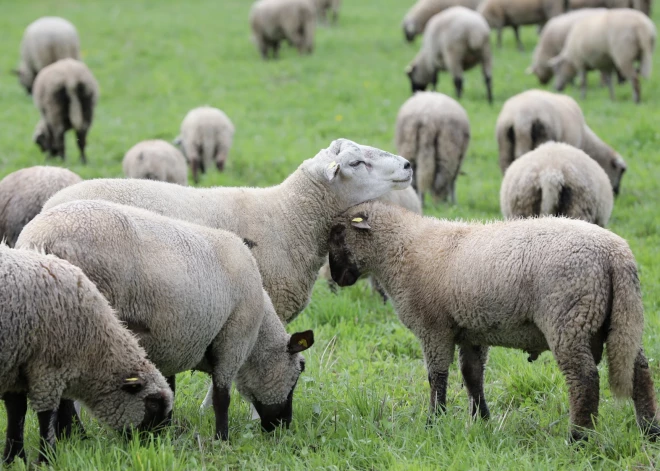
(557, 180)
(205, 138)
(455, 40)
(609, 41)
(156, 160)
(273, 21)
(193, 296)
(325, 6)
(433, 133)
(421, 12)
(502, 13)
(60, 338)
(642, 5)
(531, 118)
(466, 284)
(24, 192)
(45, 41)
(65, 93)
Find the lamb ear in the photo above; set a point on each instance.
(300, 341)
(360, 222)
(133, 384)
(332, 170)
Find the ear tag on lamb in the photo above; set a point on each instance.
(357, 220)
(360, 223)
(132, 380)
(302, 343)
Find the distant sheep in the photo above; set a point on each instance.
(421, 12)
(325, 6)
(273, 21)
(156, 160)
(642, 5)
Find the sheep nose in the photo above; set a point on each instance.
(406, 166)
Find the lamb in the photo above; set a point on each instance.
(273, 21)
(199, 302)
(325, 6)
(286, 225)
(455, 40)
(60, 339)
(205, 139)
(421, 12)
(45, 41)
(156, 160)
(433, 133)
(536, 116)
(558, 180)
(24, 192)
(609, 41)
(502, 13)
(65, 93)
(466, 284)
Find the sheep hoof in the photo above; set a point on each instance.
(652, 430)
(578, 438)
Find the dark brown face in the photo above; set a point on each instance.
(43, 142)
(343, 268)
(275, 415)
(155, 416)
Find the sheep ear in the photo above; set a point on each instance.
(300, 341)
(332, 170)
(133, 384)
(360, 222)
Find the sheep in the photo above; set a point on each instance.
(199, 302)
(45, 41)
(286, 226)
(60, 339)
(502, 13)
(325, 6)
(536, 116)
(65, 93)
(156, 160)
(433, 133)
(558, 180)
(455, 40)
(273, 21)
(205, 139)
(609, 41)
(24, 192)
(421, 12)
(642, 5)
(536, 284)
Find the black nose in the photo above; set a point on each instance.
(406, 166)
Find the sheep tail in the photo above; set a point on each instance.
(647, 43)
(624, 339)
(80, 106)
(552, 183)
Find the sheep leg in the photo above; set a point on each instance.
(499, 37)
(81, 137)
(439, 354)
(67, 415)
(16, 406)
(376, 286)
(458, 85)
(521, 48)
(58, 145)
(194, 167)
(644, 398)
(637, 94)
(473, 363)
(171, 381)
(606, 78)
(47, 420)
(487, 66)
(221, 408)
(583, 83)
(276, 49)
(456, 69)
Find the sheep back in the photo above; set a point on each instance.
(156, 160)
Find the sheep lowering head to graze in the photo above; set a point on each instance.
(534, 284)
(274, 21)
(455, 40)
(59, 338)
(421, 12)
(325, 6)
(156, 159)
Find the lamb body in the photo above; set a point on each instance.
(273, 21)
(454, 283)
(557, 180)
(59, 338)
(421, 12)
(156, 160)
(24, 192)
(325, 6)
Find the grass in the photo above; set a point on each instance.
(362, 402)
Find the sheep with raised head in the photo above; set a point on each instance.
(156, 159)
(421, 12)
(274, 21)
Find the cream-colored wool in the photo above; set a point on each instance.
(421, 12)
(274, 21)
(156, 160)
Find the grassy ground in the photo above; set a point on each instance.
(363, 400)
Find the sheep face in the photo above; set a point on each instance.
(409, 30)
(269, 381)
(615, 171)
(563, 70)
(25, 77)
(345, 266)
(42, 137)
(420, 77)
(542, 72)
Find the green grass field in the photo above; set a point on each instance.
(362, 402)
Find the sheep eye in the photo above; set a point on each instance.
(152, 405)
(356, 163)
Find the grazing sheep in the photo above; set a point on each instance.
(273, 21)
(533, 284)
(611, 41)
(65, 93)
(199, 302)
(325, 6)
(433, 133)
(557, 180)
(24, 192)
(205, 139)
(531, 118)
(455, 40)
(156, 160)
(45, 41)
(642, 5)
(421, 12)
(59, 338)
(502, 13)
(286, 226)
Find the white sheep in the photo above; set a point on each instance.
(24, 192)
(325, 6)
(642, 5)
(535, 284)
(455, 40)
(205, 138)
(193, 296)
(273, 21)
(285, 225)
(156, 159)
(421, 12)
(531, 118)
(65, 93)
(45, 41)
(59, 338)
(433, 133)
(557, 180)
(611, 41)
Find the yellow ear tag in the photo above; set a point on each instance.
(332, 164)
(356, 220)
(302, 342)
(131, 380)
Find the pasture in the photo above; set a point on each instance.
(362, 401)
